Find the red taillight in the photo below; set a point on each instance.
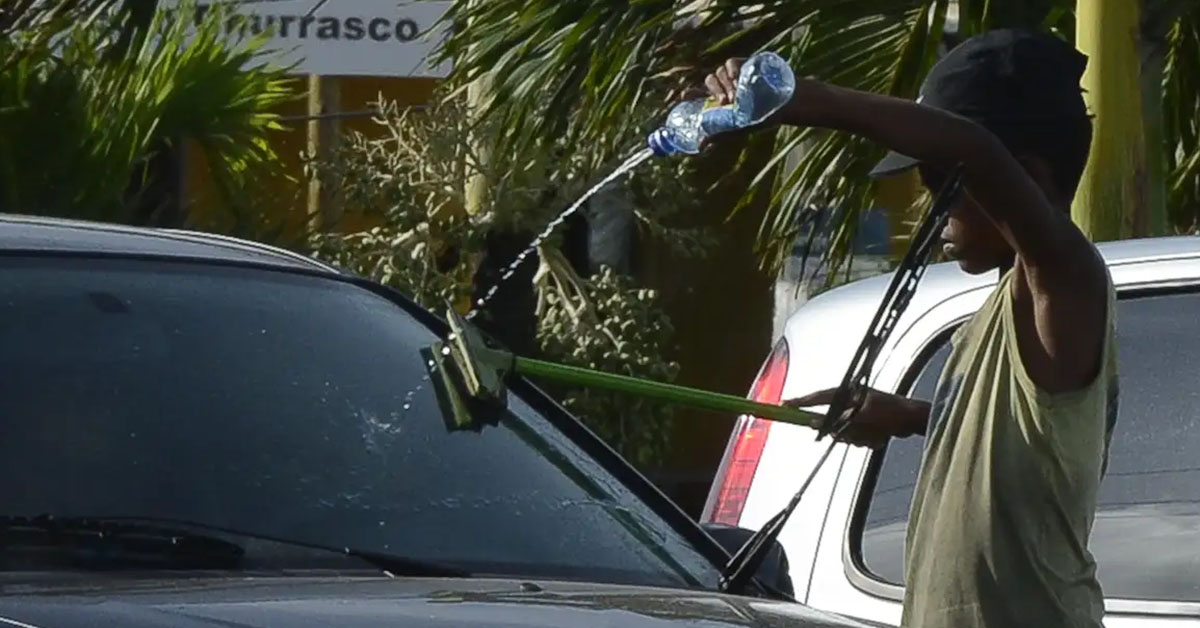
(732, 483)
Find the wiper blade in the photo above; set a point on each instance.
(107, 543)
(393, 565)
(850, 395)
(187, 536)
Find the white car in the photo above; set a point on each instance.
(845, 541)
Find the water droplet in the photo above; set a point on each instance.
(445, 350)
(408, 406)
(431, 364)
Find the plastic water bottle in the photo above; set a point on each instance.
(765, 84)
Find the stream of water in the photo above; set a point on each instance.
(633, 161)
(628, 165)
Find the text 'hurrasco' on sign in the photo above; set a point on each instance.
(342, 37)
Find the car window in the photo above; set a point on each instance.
(297, 407)
(882, 542)
(1149, 502)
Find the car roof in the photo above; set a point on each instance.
(19, 233)
(945, 280)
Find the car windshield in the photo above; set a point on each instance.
(297, 407)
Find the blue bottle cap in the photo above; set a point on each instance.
(658, 143)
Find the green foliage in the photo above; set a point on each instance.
(578, 69)
(1181, 112)
(608, 324)
(29, 26)
(573, 69)
(81, 122)
(408, 178)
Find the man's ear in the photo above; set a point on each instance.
(1042, 174)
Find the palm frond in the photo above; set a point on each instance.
(81, 124)
(29, 26)
(578, 70)
(1181, 117)
(547, 58)
(864, 46)
(886, 52)
(582, 71)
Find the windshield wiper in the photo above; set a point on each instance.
(178, 542)
(850, 395)
(393, 565)
(100, 542)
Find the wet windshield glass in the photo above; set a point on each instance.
(291, 406)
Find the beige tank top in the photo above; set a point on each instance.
(1006, 494)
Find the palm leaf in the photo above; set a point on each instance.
(81, 123)
(585, 72)
(876, 51)
(884, 51)
(1181, 117)
(576, 70)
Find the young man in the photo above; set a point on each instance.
(1017, 435)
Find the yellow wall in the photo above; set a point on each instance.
(896, 195)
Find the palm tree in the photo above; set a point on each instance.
(1138, 53)
(98, 97)
(576, 69)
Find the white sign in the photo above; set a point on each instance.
(342, 37)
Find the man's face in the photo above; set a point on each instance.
(970, 237)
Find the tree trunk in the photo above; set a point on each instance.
(1157, 18)
(324, 135)
(478, 97)
(1153, 64)
(1112, 201)
(477, 184)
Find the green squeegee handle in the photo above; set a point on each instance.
(700, 399)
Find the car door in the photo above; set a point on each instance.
(1146, 537)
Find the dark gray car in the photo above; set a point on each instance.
(205, 432)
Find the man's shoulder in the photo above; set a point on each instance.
(1077, 263)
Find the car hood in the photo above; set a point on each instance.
(367, 603)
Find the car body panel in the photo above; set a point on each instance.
(822, 336)
(29, 234)
(369, 602)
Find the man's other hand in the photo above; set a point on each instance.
(882, 416)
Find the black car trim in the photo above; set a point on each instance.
(264, 264)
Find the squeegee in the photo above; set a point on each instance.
(471, 374)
